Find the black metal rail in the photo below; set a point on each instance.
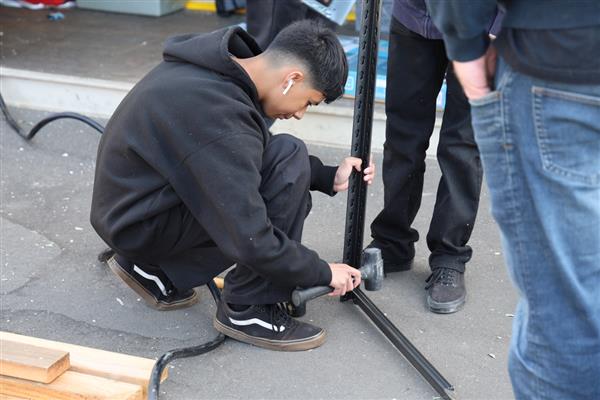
(357, 196)
(361, 130)
(410, 352)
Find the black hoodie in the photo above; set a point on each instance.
(192, 132)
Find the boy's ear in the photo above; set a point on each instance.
(296, 76)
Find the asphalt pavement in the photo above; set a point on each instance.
(53, 287)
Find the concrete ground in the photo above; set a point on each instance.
(53, 287)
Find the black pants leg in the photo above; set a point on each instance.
(285, 190)
(266, 18)
(459, 189)
(189, 258)
(416, 68)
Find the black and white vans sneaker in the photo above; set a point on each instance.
(152, 285)
(269, 326)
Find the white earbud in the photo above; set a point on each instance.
(289, 85)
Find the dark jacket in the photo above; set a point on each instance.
(192, 132)
(414, 15)
(464, 31)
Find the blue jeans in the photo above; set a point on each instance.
(540, 148)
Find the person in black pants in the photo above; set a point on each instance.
(266, 18)
(417, 65)
(190, 181)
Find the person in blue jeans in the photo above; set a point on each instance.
(535, 104)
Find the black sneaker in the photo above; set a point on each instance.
(446, 291)
(269, 326)
(152, 285)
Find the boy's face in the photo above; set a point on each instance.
(294, 102)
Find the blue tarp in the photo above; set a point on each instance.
(350, 44)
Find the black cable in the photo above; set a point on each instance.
(161, 363)
(52, 117)
(105, 255)
(11, 121)
(56, 116)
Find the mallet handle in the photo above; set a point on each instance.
(301, 296)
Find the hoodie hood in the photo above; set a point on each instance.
(200, 50)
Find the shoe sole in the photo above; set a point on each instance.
(445, 308)
(116, 268)
(292, 345)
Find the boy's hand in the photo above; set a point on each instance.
(344, 278)
(342, 175)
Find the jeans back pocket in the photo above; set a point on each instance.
(567, 126)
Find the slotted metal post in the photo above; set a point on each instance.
(361, 129)
(357, 196)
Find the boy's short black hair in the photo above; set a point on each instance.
(319, 50)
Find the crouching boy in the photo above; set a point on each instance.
(190, 181)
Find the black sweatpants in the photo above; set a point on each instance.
(416, 69)
(192, 259)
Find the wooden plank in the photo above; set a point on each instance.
(40, 364)
(116, 366)
(219, 282)
(7, 397)
(71, 386)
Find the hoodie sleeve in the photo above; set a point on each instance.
(321, 176)
(220, 185)
(464, 25)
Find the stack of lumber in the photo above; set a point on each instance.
(32, 368)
